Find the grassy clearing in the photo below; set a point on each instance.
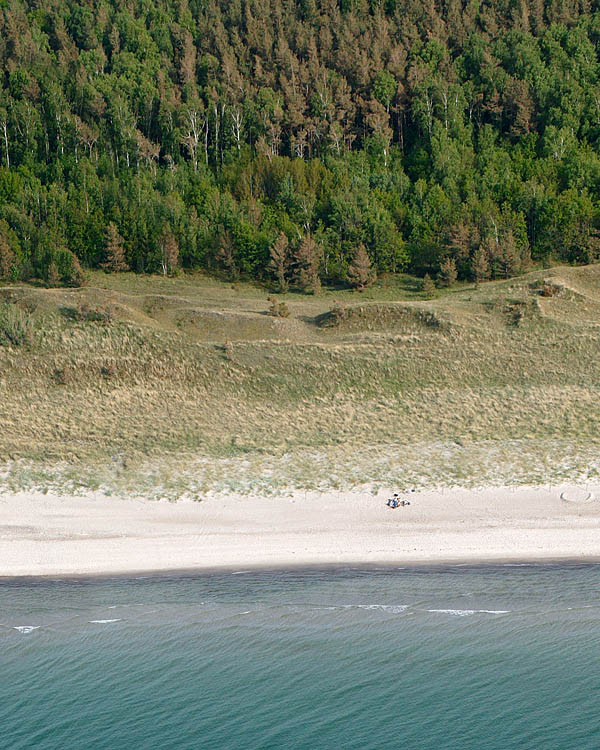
(169, 387)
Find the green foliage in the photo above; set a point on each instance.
(10, 186)
(448, 273)
(227, 129)
(428, 286)
(384, 88)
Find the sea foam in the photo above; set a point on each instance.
(467, 612)
(395, 609)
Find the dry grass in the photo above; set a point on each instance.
(189, 386)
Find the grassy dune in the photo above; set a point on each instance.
(179, 386)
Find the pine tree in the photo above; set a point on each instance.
(52, 275)
(225, 256)
(280, 260)
(76, 275)
(480, 265)
(461, 239)
(493, 252)
(427, 285)
(525, 256)
(448, 273)
(219, 111)
(307, 259)
(7, 258)
(115, 252)
(510, 260)
(360, 272)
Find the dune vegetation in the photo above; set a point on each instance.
(172, 387)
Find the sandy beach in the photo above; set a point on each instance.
(43, 534)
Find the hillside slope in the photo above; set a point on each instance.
(199, 133)
(174, 386)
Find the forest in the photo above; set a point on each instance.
(298, 142)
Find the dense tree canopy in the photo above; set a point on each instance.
(198, 132)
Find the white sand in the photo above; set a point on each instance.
(55, 535)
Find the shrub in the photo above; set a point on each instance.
(87, 313)
(16, 327)
(546, 288)
(337, 314)
(109, 370)
(278, 309)
(516, 313)
(63, 375)
(64, 269)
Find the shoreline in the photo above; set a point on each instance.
(298, 568)
(44, 536)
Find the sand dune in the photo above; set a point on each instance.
(64, 535)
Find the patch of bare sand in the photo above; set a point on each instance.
(63, 535)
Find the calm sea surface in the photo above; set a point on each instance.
(461, 657)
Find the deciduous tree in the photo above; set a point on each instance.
(169, 252)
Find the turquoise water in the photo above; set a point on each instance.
(488, 657)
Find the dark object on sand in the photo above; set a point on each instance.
(394, 502)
